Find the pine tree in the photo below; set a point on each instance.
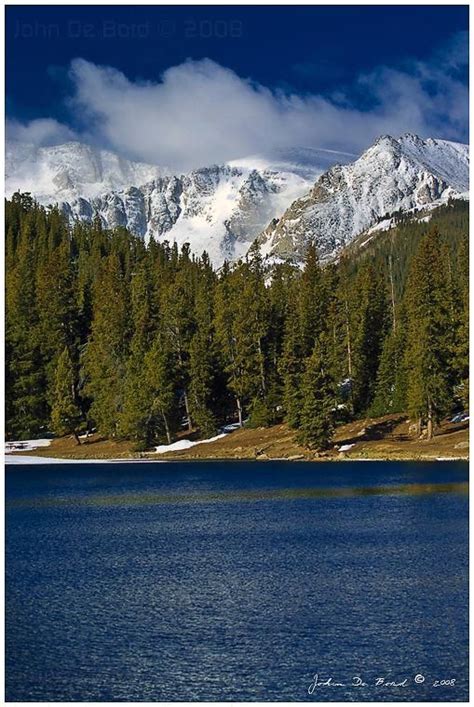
(106, 353)
(135, 418)
(344, 328)
(332, 319)
(65, 411)
(251, 330)
(177, 308)
(312, 300)
(390, 390)
(203, 357)
(26, 390)
(428, 323)
(161, 383)
(225, 316)
(291, 364)
(317, 414)
(240, 311)
(460, 348)
(56, 301)
(372, 327)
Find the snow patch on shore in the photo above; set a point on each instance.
(24, 459)
(26, 445)
(186, 444)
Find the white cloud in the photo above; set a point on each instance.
(40, 132)
(199, 112)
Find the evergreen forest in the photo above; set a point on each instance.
(145, 342)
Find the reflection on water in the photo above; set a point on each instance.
(236, 581)
(144, 498)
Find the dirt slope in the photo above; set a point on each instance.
(387, 438)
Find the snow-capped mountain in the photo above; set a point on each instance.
(283, 199)
(69, 171)
(220, 209)
(393, 174)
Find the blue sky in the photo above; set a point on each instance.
(179, 85)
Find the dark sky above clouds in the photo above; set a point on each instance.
(185, 86)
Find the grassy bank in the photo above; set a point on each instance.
(388, 438)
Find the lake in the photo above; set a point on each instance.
(237, 581)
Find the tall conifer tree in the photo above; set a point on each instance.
(317, 414)
(428, 323)
(65, 411)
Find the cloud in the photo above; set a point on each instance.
(40, 132)
(200, 112)
(432, 94)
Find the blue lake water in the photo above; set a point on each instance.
(237, 581)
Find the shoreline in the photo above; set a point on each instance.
(380, 440)
(44, 461)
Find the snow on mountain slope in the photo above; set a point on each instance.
(220, 209)
(408, 173)
(68, 171)
(287, 198)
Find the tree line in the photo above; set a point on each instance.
(142, 341)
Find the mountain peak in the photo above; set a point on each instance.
(391, 175)
(411, 137)
(385, 140)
